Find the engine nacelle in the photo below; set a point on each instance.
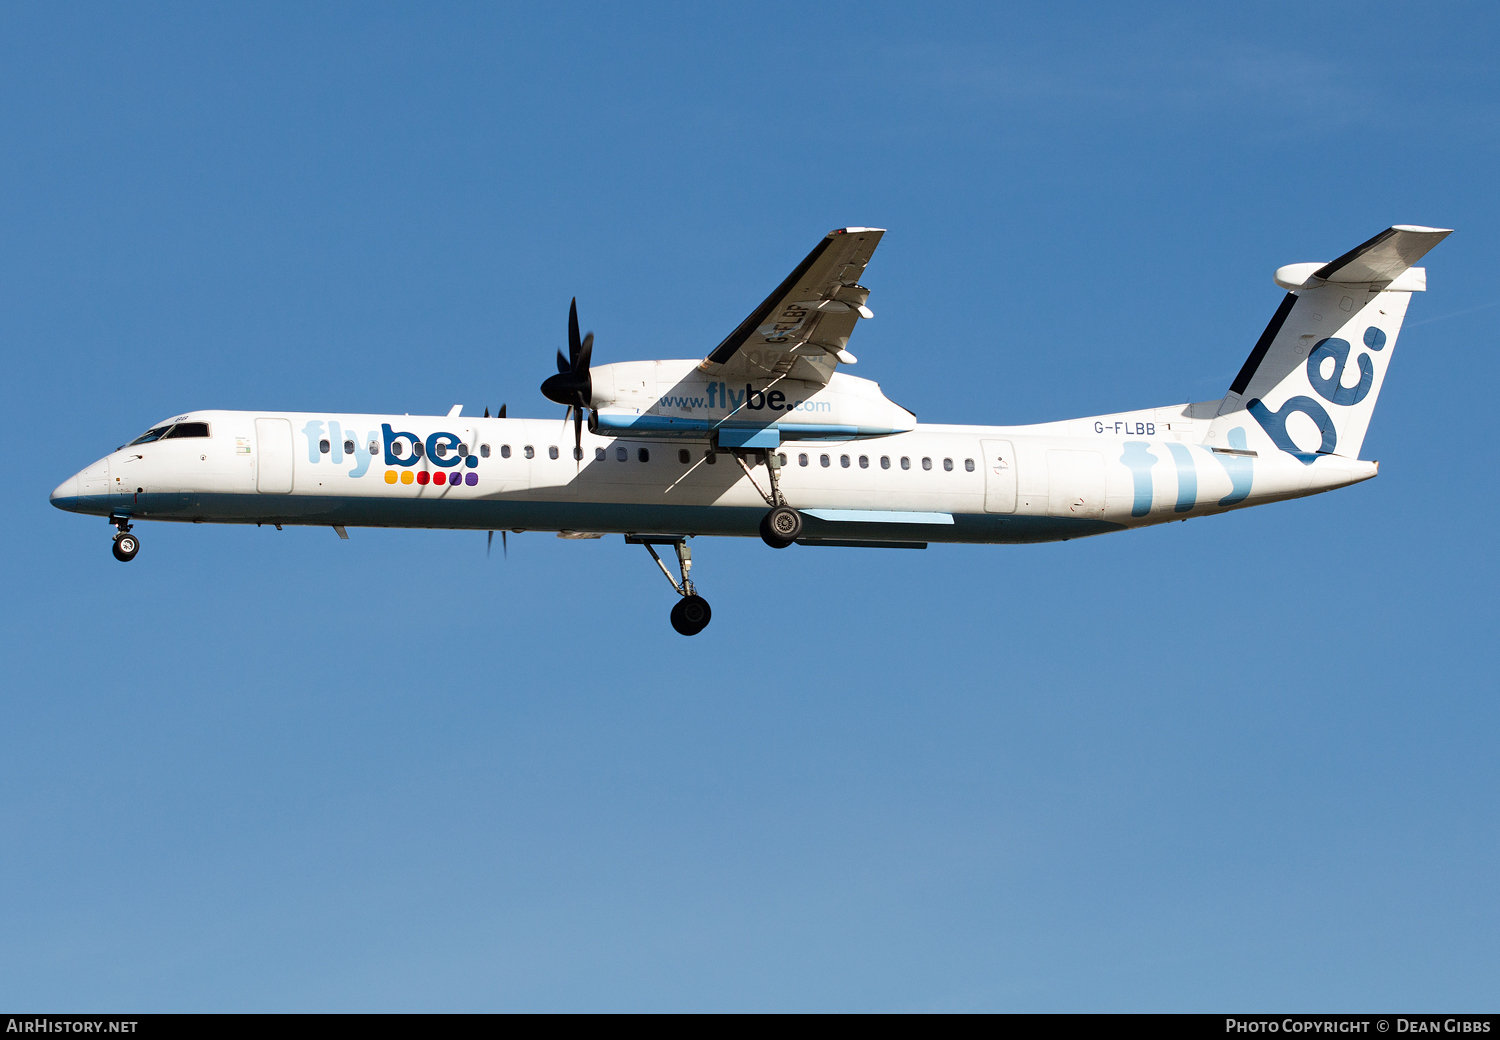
(675, 398)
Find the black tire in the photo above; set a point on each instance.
(766, 535)
(126, 546)
(691, 615)
(781, 527)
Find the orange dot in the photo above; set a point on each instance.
(390, 476)
(406, 476)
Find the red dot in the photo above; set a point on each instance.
(422, 476)
(440, 477)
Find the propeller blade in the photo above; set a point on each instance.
(573, 344)
(489, 543)
(578, 433)
(501, 413)
(572, 385)
(504, 549)
(486, 411)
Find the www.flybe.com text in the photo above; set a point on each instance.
(721, 398)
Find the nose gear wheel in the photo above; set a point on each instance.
(690, 614)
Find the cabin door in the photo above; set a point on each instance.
(274, 456)
(999, 476)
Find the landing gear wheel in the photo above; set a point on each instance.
(691, 615)
(126, 546)
(781, 527)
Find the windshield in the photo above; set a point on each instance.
(150, 435)
(172, 431)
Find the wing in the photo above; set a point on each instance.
(802, 329)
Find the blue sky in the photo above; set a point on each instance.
(1245, 762)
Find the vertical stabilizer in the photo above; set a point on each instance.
(1310, 384)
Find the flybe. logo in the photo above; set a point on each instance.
(445, 450)
(1331, 354)
(723, 399)
(442, 452)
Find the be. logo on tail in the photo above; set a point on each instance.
(1330, 388)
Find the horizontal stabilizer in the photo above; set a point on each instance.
(1384, 257)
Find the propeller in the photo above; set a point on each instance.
(572, 385)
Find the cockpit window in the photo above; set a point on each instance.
(171, 431)
(150, 435)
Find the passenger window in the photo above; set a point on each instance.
(864, 462)
(598, 454)
(802, 459)
(348, 447)
(463, 451)
(529, 452)
(710, 457)
(948, 465)
(187, 429)
(505, 451)
(885, 462)
(323, 446)
(905, 462)
(683, 456)
(844, 461)
(824, 461)
(374, 448)
(441, 451)
(621, 454)
(552, 452)
(926, 463)
(969, 465)
(781, 458)
(484, 451)
(578, 453)
(416, 448)
(644, 455)
(398, 449)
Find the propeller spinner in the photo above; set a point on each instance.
(572, 385)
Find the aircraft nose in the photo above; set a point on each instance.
(65, 495)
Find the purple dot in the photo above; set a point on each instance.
(471, 479)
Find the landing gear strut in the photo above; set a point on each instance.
(782, 525)
(126, 544)
(691, 614)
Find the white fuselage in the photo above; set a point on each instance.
(931, 484)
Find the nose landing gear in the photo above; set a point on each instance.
(126, 544)
(690, 614)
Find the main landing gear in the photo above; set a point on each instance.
(126, 544)
(691, 614)
(782, 525)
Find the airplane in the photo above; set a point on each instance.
(767, 436)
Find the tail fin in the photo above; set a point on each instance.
(1309, 386)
